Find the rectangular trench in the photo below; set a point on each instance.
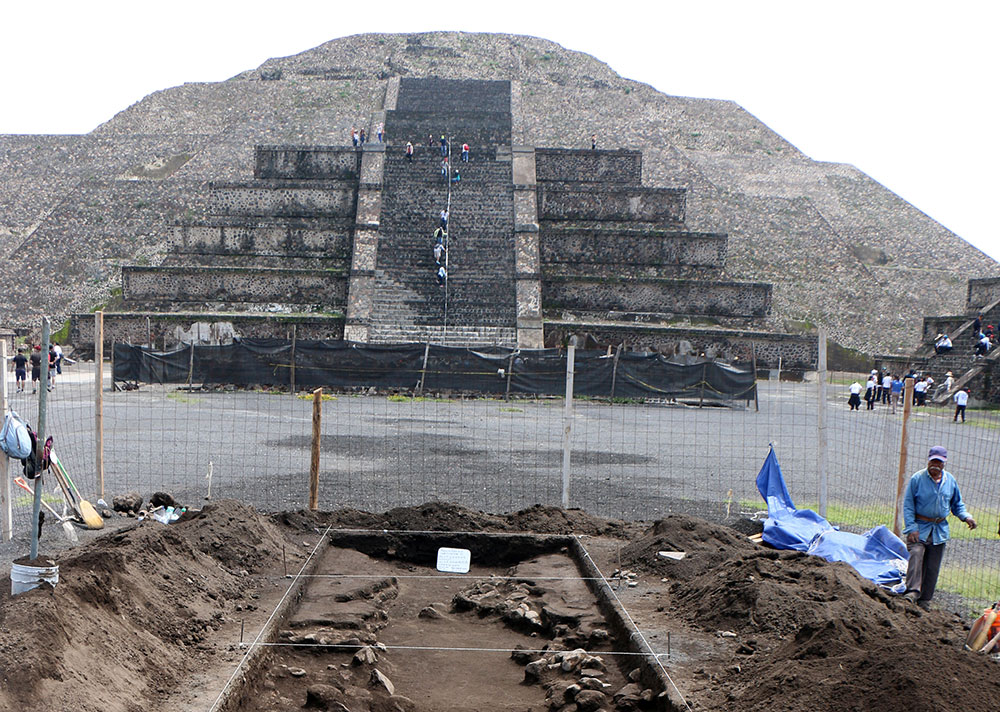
(370, 624)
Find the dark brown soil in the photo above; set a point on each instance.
(151, 615)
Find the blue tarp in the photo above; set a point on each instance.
(878, 554)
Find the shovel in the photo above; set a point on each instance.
(84, 509)
(65, 521)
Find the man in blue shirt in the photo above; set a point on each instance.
(930, 496)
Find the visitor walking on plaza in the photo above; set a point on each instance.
(886, 387)
(870, 392)
(20, 369)
(961, 400)
(920, 392)
(897, 391)
(36, 367)
(930, 496)
(855, 399)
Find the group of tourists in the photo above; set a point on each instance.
(440, 250)
(358, 136)
(34, 358)
(887, 388)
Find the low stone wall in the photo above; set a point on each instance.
(233, 284)
(293, 237)
(284, 198)
(982, 293)
(171, 330)
(622, 168)
(680, 297)
(307, 162)
(796, 353)
(432, 94)
(582, 202)
(631, 252)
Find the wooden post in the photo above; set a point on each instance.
(753, 365)
(149, 334)
(191, 367)
(6, 503)
(40, 431)
(99, 400)
(821, 423)
(614, 370)
(314, 465)
(423, 369)
(701, 395)
(568, 420)
(904, 447)
(291, 357)
(510, 371)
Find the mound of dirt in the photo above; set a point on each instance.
(129, 610)
(810, 634)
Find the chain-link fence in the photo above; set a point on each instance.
(620, 458)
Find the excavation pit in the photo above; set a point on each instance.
(532, 625)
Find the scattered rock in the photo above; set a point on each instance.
(431, 613)
(131, 502)
(161, 499)
(323, 697)
(589, 700)
(296, 672)
(365, 656)
(380, 680)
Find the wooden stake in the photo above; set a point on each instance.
(314, 466)
(292, 362)
(904, 446)
(99, 400)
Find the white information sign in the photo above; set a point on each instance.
(454, 561)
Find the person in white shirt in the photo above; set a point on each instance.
(949, 381)
(961, 400)
(943, 344)
(920, 392)
(855, 400)
(870, 389)
(886, 387)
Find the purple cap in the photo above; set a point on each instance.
(938, 453)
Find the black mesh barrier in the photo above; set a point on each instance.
(489, 370)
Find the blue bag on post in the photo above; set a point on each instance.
(15, 438)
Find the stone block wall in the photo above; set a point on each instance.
(453, 95)
(623, 168)
(653, 253)
(309, 237)
(981, 294)
(146, 285)
(481, 130)
(171, 330)
(797, 353)
(284, 198)
(307, 162)
(659, 296)
(629, 204)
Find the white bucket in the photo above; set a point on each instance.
(24, 578)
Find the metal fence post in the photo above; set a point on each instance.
(40, 432)
(821, 423)
(291, 357)
(6, 503)
(568, 420)
(99, 400)
(314, 464)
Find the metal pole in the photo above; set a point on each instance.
(423, 369)
(821, 424)
(40, 436)
(149, 334)
(292, 362)
(6, 503)
(568, 420)
(314, 465)
(904, 447)
(614, 369)
(99, 400)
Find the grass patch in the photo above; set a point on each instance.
(61, 336)
(309, 396)
(410, 399)
(181, 398)
(977, 585)
(511, 410)
(26, 500)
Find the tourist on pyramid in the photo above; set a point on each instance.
(465, 153)
(444, 145)
(457, 178)
(439, 252)
(361, 137)
(444, 220)
(942, 344)
(442, 275)
(949, 382)
(444, 167)
(982, 346)
(440, 234)
(593, 142)
(380, 129)
(931, 495)
(409, 152)
(354, 136)
(977, 326)
(855, 400)
(430, 140)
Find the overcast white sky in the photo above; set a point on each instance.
(905, 91)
